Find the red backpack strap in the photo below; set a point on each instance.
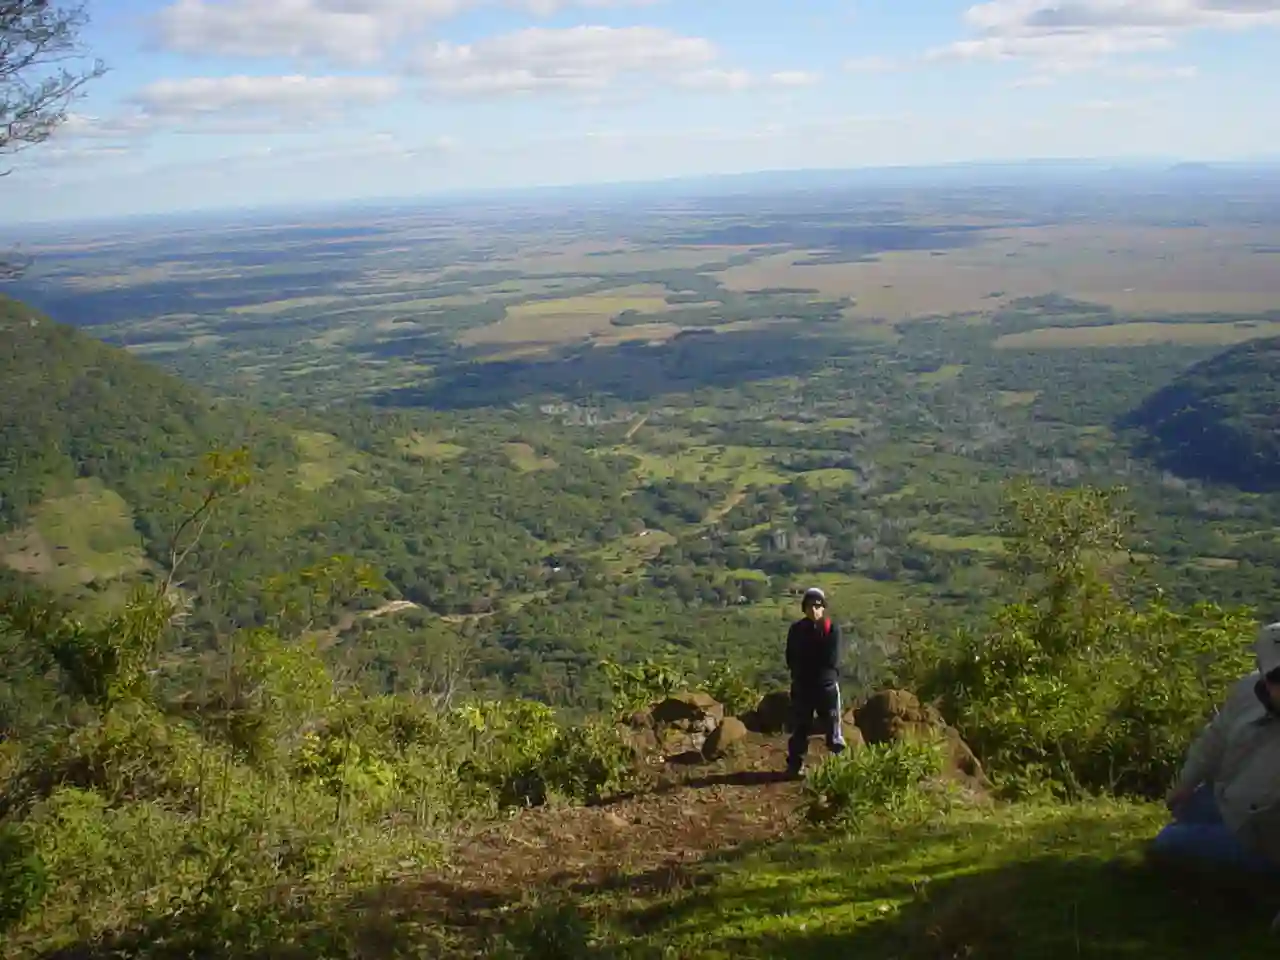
(826, 626)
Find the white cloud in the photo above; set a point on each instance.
(1072, 33)
(1133, 73)
(712, 79)
(192, 97)
(574, 59)
(229, 106)
(735, 80)
(337, 31)
(793, 78)
(79, 126)
(1149, 73)
(546, 8)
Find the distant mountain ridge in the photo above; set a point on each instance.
(1220, 420)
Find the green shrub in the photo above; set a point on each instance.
(587, 762)
(556, 931)
(640, 686)
(1074, 688)
(889, 779)
(526, 758)
(131, 752)
(24, 879)
(727, 685)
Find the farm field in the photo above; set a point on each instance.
(561, 436)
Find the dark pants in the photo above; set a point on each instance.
(806, 702)
(1198, 833)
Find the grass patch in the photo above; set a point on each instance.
(845, 423)
(271, 307)
(947, 543)
(944, 374)
(830, 478)
(565, 319)
(325, 458)
(85, 536)
(1215, 563)
(1025, 881)
(430, 446)
(743, 466)
(526, 459)
(1017, 398)
(627, 555)
(1140, 334)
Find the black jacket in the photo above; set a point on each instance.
(813, 652)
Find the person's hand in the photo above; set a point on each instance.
(1178, 797)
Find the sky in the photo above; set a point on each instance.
(212, 104)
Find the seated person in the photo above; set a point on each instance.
(1226, 804)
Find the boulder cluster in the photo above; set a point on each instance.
(690, 728)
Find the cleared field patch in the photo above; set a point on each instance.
(944, 374)
(1215, 563)
(83, 537)
(324, 459)
(614, 258)
(628, 555)
(651, 333)
(1139, 334)
(973, 543)
(846, 423)
(831, 478)
(525, 458)
(430, 446)
(1143, 270)
(284, 306)
(742, 466)
(1017, 398)
(566, 319)
(896, 286)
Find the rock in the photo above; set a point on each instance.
(690, 712)
(725, 738)
(673, 740)
(894, 715)
(962, 760)
(643, 741)
(853, 738)
(771, 715)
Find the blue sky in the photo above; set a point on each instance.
(230, 103)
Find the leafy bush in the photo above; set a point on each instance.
(525, 757)
(586, 762)
(640, 686)
(1074, 687)
(729, 687)
(555, 931)
(887, 779)
(131, 752)
(24, 880)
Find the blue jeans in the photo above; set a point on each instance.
(1198, 833)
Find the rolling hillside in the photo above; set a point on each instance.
(1220, 421)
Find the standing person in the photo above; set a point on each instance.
(813, 657)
